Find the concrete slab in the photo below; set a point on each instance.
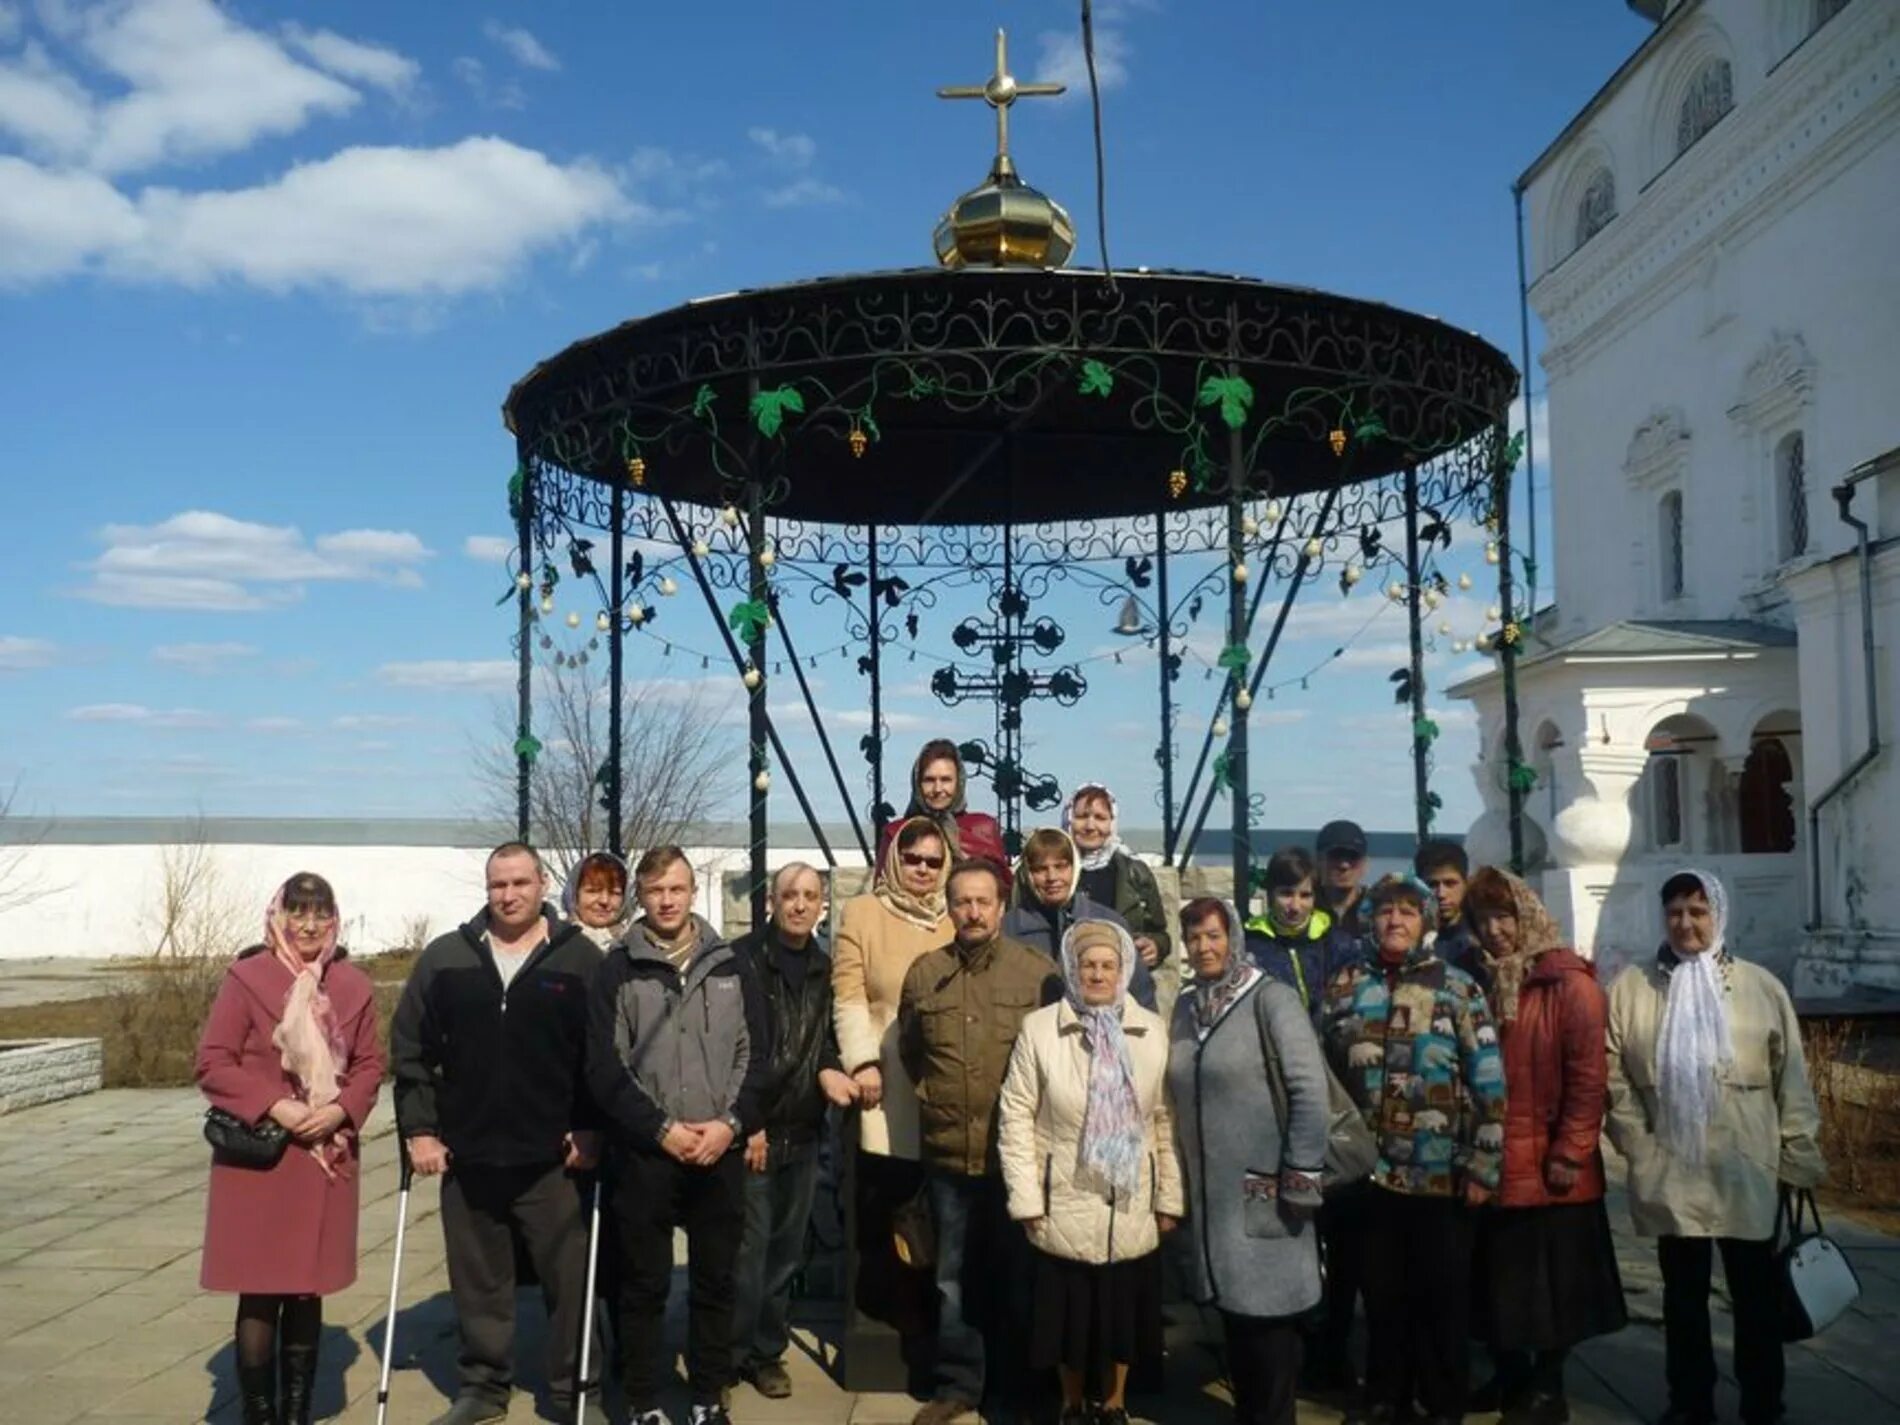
(102, 1204)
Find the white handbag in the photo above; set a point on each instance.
(1817, 1281)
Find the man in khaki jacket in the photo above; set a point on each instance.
(961, 1010)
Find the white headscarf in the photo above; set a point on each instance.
(1694, 1043)
(1098, 858)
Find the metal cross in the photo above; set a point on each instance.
(999, 91)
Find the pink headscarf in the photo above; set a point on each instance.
(307, 1036)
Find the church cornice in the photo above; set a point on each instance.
(1778, 383)
(1658, 448)
(1793, 135)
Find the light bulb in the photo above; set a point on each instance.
(1491, 613)
(573, 619)
(1484, 643)
(636, 613)
(1459, 646)
(729, 517)
(1395, 591)
(1313, 551)
(1243, 699)
(701, 549)
(750, 677)
(1490, 554)
(602, 622)
(1464, 582)
(668, 587)
(761, 782)
(1444, 629)
(1433, 598)
(1220, 727)
(524, 581)
(1248, 526)
(547, 603)
(1273, 512)
(1240, 573)
(767, 558)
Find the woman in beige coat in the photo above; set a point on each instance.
(1087, 1147)
(1709, 1101)
(879, 936)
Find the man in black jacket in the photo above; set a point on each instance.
(803, 1075)
(676, 1048)
(489, 1049)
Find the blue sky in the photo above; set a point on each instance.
(264, 283)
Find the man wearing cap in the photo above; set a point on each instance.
(1342, 856)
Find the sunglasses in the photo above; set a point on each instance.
(912, 858)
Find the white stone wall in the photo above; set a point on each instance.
(48, 1070)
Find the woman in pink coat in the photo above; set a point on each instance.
(291, 1038)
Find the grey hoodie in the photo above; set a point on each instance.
(667, 1047)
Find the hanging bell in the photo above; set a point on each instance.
(1128, 622)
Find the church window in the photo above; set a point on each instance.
(1791, 494)
(1665, 807)
(1711, 95)
(1597, 206)
(1674, 580)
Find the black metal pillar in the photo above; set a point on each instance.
(874, 633)
(1414, 610)
(1009, 710)
(524, 655)
(758, 727)
(616, 692)
(1509, 639)
(824, 737)
(1237, 625)
(1164, 619)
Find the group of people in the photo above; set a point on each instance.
(1056, 1096)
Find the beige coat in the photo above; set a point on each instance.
(1044, 1098)
(872, 952)
(1764, 1133)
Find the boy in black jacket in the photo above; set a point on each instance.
(489, 1049)
(677, 1048)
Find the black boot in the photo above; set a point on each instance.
(257, 1394)
(300, 1383)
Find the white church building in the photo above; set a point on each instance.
(1713, 248)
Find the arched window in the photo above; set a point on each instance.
(1670, 541)
(1597, 206)
(1791, 493)
(1766, 808)
(1711, 95)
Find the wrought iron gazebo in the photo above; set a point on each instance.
(1178, 442)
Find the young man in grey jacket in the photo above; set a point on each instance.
(676, 1049)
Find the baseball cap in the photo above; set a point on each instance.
(1341, 836)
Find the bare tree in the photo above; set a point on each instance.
(676, 761)
(195, 914)
(19, 884)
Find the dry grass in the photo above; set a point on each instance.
(1859, 1093)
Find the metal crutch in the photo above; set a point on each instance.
(395, 1281)
(587, 1309)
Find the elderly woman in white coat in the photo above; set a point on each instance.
(1087, 1147)
(1709, 1101)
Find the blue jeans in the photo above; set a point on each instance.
(777, 1213)
(980, 1261)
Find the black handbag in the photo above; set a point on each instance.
(244, 1145)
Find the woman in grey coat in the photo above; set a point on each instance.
(1253, 1181)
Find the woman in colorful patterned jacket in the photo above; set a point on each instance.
(1546, 1266)
(1413, 1041)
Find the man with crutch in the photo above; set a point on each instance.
(489, 1046)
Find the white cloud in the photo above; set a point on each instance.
(520, 46)
(804, 193)
(1375, 655)
(1062, 60)
(203, 560)
(189, 82)
(474, 77)
(473, 675)
(367, 722)
(1325, 615)
(354, 59)
(1539, 432)
(43, 107)
(201, 657)
(11, 22)
(488, 548)
(789, 150)
(17, 654)
(172, 719)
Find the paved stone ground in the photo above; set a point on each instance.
(101, 1207)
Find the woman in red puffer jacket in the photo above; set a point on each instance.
(1547, 1274)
